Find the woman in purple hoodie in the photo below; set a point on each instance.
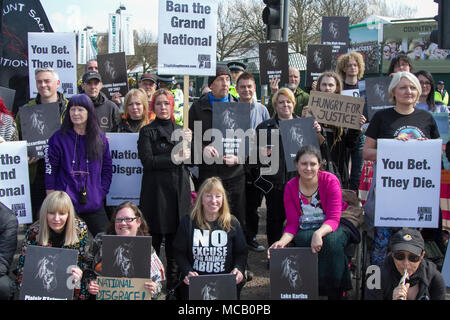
(78, 162)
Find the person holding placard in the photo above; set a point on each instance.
(301, 97)
(426, 99)
(166, 191)
(406, 274)
(227, 167)
(168, 82)
(403, 122)
(338, 140)
(126, 220)
(350, 67)
(210, 240)
(313, 203)
(284, 102)
(79, 162)
(47, 84)
(58, 227)
(136, 113)
(8, 128)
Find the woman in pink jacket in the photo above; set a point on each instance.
(313, 205)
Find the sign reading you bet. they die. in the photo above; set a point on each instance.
(408, 178)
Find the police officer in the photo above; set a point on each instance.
(236, 69)
(169, 83)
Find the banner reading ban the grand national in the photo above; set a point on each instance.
(187, 37)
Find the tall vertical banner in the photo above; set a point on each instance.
(14, 180)
(127, 35)
(113, 33)
(57, 51)
(127, 169)
(91, 46)
(82, 51)
(187, 37)
(19, 18)
(408, 181)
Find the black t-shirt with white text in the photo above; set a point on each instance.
(389, 124)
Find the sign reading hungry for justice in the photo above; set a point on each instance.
(336, 109)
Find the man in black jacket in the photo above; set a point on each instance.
(107, 111)
(228, 170)
(8, 245)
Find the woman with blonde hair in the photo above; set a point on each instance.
(136, 111)
(58, 227)
(402, 122)
(210, 240)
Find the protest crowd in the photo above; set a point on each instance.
(199, 202)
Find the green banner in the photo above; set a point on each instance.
(414, 39)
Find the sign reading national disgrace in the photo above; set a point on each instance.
(336, 109)
(187, 37)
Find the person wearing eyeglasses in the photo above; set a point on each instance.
(126, 220)
(426, 98)
(78, 162)
(421, 281)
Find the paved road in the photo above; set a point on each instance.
(259, 287)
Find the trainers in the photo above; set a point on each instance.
(255, 246)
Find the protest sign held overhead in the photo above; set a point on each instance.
(47, 274)
(318, 60)
(408, 183)
(111, 288)
(213, 287)
(127, 257)
(56, 51)
(296, 133)
(293, 274)
(113, 70)
(378, 95)
(127, 169)
(38, 123)
(232, 120)
(8, 97)
(14, 180)
(187, 37)
(274, 62)
(335, 33)
(336, 109)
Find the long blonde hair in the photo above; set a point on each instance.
(142, 96)
(58, 201)
(197, 214)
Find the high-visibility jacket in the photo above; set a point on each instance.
(438, 97)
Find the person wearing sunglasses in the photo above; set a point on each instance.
(423, 281)
(126, 220)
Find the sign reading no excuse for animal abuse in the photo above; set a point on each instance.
(187, 37)
(336, 109)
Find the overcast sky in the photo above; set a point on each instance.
(70, 15)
